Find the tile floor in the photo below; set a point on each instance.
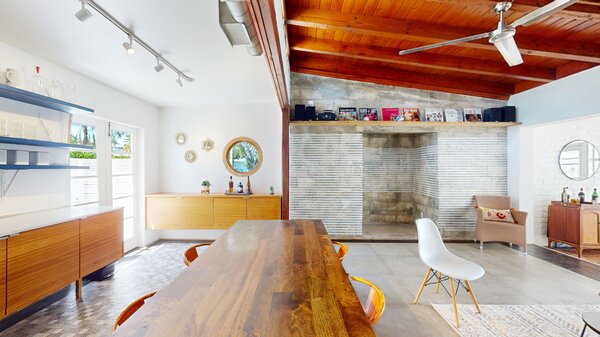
(511, 278)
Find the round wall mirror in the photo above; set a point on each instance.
(242, 156)
(180, 138)
(579, 160)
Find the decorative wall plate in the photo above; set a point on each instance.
(180, 138)
(208, 144)
(190, 156)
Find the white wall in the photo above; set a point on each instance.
(555, 109)
(36, 190)
(222, 123)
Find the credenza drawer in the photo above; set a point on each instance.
(179, 213)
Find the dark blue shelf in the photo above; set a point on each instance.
(42, 143)
(42, 167)
(41, 100)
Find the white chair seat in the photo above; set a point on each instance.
(456, 267)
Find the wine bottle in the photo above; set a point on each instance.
(230, 184)
(581, 196)
(595, 197)
(563, 195)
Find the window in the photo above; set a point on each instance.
(84, 183)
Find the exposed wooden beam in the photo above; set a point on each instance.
(423, 60)
(400, 78)
(582, 9)
(432, 33)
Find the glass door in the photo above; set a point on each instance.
(123, 173)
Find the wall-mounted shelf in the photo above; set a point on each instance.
(42, 143)
(41, 100)
(42, 167)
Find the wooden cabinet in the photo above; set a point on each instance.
(574, 224)
(3, 276)
(101, 241)
(201, 211)
(40, 262)
(179, 212)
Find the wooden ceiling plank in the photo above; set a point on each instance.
(431, 33)
(572, 68)
(401, 78)
(424, 60)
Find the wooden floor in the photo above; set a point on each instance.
(566, 261)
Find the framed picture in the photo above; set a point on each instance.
(453, 115)
(368, 114)
(411, 114)
(434, 115)
(390, 114)
(473, 115)
(347, 114)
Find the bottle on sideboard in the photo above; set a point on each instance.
(230, 184)
(581, 196)
(568, 195)
(240, 188)
(564, 197)
(595, 197)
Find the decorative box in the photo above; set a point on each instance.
(39, 158)
(17, 157)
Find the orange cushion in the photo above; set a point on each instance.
(500, 215)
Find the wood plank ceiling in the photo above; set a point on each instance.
(360, 39)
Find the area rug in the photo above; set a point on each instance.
(518, 320)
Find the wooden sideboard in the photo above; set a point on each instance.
(39, 262)
(208, 211)
(574, 224)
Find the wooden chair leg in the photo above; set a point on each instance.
(453, 293)
(468, 284)
(422, 286)
(437, 289)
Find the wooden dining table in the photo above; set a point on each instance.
(261, 278)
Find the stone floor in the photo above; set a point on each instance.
(511, 278)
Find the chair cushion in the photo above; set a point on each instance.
(498, 215)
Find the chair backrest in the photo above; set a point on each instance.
(192, 253)
(431, 244)
(342, 251)
(375, 302)
(493, 201)
(130, 310)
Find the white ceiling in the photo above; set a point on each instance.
(186, 31)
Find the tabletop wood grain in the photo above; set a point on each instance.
(262, 278)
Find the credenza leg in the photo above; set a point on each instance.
(78, 288)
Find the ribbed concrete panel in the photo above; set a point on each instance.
(388, 169)
(425, 170)
(326, 180)
(469, 165)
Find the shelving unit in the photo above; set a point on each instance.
(42, 143)
(42, 167)
(29, 97)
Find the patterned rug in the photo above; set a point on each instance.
(518, 320)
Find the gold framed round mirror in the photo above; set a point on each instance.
(242, 156)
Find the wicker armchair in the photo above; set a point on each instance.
(488, 231)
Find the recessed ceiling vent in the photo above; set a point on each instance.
(236, 22)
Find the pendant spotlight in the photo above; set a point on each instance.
(128, 45)
(83, 14)
(158, 67)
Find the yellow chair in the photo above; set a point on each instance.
(375, 302)
(342, 251)
(130, 310)
(192, 253)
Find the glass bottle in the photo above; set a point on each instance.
(240, 188)
(37, 82)
(230, 184)
(581, 196)
(563, 195)
(595, 197)
(568, 195)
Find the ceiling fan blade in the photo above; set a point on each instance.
(446, 43)
(509, 50)
(542, 12)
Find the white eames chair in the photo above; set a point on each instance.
(444, 265)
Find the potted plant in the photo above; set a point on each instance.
(205, 187)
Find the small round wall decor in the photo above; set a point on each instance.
(180, 138)
(190, 156)
(208, 144)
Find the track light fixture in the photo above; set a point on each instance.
(128, 45)
(158, 67)
(84, 14)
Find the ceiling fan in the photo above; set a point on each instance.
(503, 36)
